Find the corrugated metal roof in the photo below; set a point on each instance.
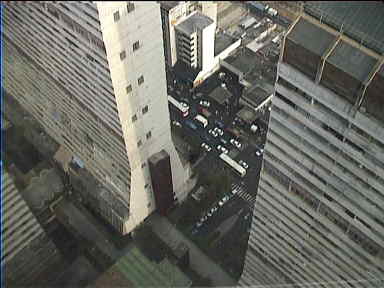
(360, 20)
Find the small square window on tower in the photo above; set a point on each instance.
(130, 7)
(140, 80)
(122, 55)
(134, 118)
(136, 46)
(145, 109)
(116, 16)
(129, 89)
(148, 135)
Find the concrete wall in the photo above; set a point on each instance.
(147, 61)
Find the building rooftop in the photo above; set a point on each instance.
(158, 157)
(311, 37)
(168, 5)
(360, 20)
(256, 96)
(247, 114)
(352, 61)
(136, 270)
(222, 41)
(195, 21)
(244, 61)
(220, 94)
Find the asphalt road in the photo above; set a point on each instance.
(243, 201)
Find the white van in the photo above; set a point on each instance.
(202, 120)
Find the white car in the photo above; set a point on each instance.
(204, 103)
(242, 163)
(176, 123)
(236, 190)
(258, 153)
(213, 133)
(223, 201)
(222, 149)
(218, 131)
(206, 147)
(235, 143)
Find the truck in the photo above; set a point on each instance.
(202, 120)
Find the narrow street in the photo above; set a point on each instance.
(199, 262)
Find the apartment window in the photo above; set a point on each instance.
(139, 143)
(143, 165)
(136, 46)
(140, 80)
(145, 109)
(148, 135)
(116, 16)
(129, 89)
(134, 118)
(130, 7)
(146, 186)
(122, 55)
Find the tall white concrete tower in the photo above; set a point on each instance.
(92, 73)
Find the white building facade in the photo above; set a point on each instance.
(93, 75)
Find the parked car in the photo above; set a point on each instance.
(243, 164)
(222, 140)
(219, 131)
(223, 200)
(206, 147)
(258, 152)
(213, 133)
(219, 123)
(235, 143)
(205, 103)
(222, 149)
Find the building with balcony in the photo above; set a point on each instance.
(318, 216)
(93, 75)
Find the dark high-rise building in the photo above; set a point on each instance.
(319, 213)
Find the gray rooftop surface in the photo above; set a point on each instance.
(222, 41)
(168, 5)
(259, 93)
(245, 60)
(311, 37)
(352, 61)
(193, 22)
(220, 94)
(360, 20)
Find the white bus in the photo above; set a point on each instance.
(182, 107)
(202, 120)
(236, 166)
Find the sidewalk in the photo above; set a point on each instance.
(199, 262)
